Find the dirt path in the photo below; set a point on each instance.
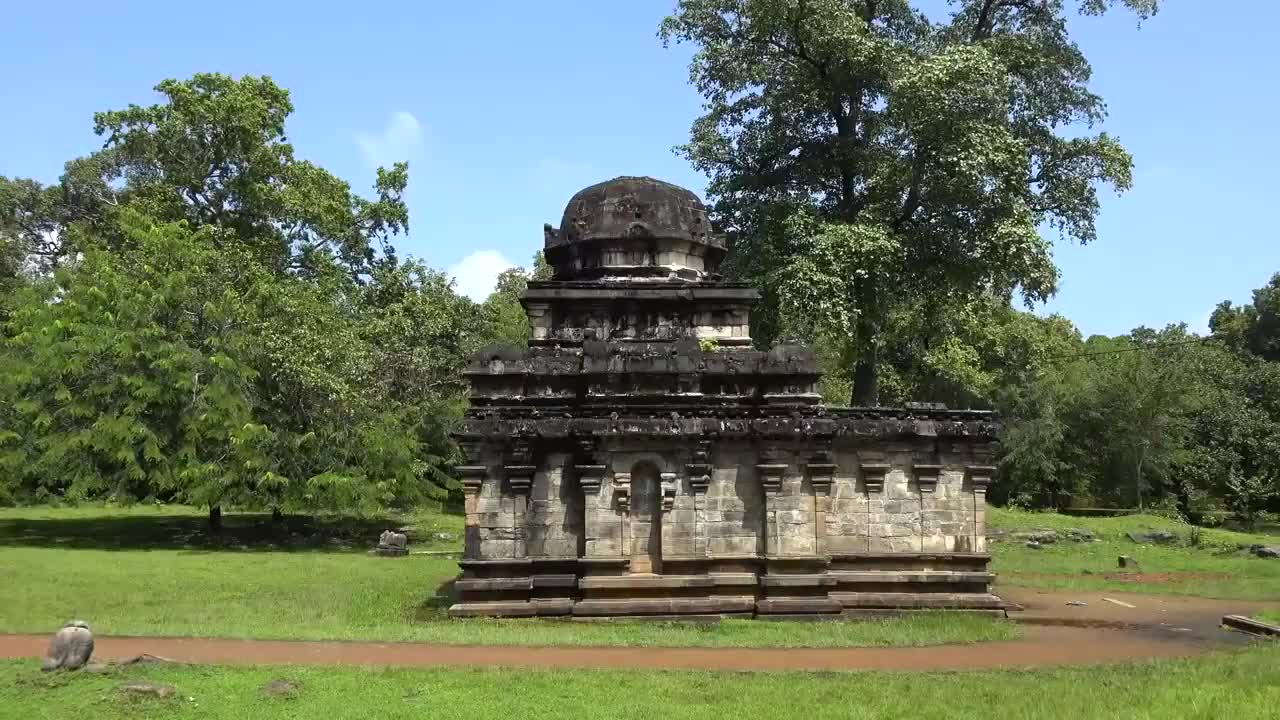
(1056, 634)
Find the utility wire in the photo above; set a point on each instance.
(1140, 348)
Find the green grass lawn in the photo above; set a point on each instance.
(155, 571)
(1243, 685)
(1214, 568)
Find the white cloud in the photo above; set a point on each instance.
(477, 273)
(401, 139)
(1202, 327)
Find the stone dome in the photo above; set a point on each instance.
(653, 224)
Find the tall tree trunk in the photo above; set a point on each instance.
(866, 386)
(215, 518)
(1137, 484)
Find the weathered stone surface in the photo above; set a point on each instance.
(1157, 537)
(70, 648)
(146, 688)
(640, 453)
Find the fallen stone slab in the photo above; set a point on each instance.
(1251, 626)
(1157, 537)
(149, 689)
(1265, 551)
(1044, 537)
(280, 688)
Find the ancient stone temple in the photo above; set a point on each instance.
(642, 458)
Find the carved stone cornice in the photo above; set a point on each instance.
(698, 469)
(927, 476)
(589, 478)
(980, 476)
(472, 477)
(668, 487)
(821, 472)
(873, 475)
(771, 477)
(622, 490)
(519, 478)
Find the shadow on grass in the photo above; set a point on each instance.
(240, 532)
(436, 607)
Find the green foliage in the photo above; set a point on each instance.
(156, 373)
(1153, 417)
(193, 313)
(1253, 327)
(868, 159)
(1239, 684)
(502, 310)
(215, 154)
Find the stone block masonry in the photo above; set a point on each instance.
(641, 458)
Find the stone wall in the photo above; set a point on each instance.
(886, 502)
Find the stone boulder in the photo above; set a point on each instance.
(1043, 537)
(145, 688)
(1154, 537)
(1079, 535)
(1265, 551)
(392, 544)
(71, 647)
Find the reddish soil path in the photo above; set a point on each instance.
(1056, 634)
(1040, 646)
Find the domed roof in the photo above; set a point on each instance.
(634, 207)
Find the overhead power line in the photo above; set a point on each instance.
(1139, 348)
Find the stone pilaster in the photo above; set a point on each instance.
(472, 477)
(519, 472)
(821, 473)
(979, 480)
(771, 474)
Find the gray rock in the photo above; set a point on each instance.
(280, 688)
(1044, 537)
(1079, 535)
(1126, 561)
(145, 688)
(71, 647)
(392, 544)
(1264, 551)
(442, 536)
(1155, 537)
(1034, 545)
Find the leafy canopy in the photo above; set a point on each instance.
(866, 156)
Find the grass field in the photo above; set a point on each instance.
(156, 571)
(1241, 685)
(1214, 568)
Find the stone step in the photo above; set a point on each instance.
(664, 606)
(513, 608)
(920, 601)
(911, 576)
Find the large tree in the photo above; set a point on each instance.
(216, 155)
(1252, 327)
(866, 157)
(194, 313)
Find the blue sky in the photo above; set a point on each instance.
(505, 108)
